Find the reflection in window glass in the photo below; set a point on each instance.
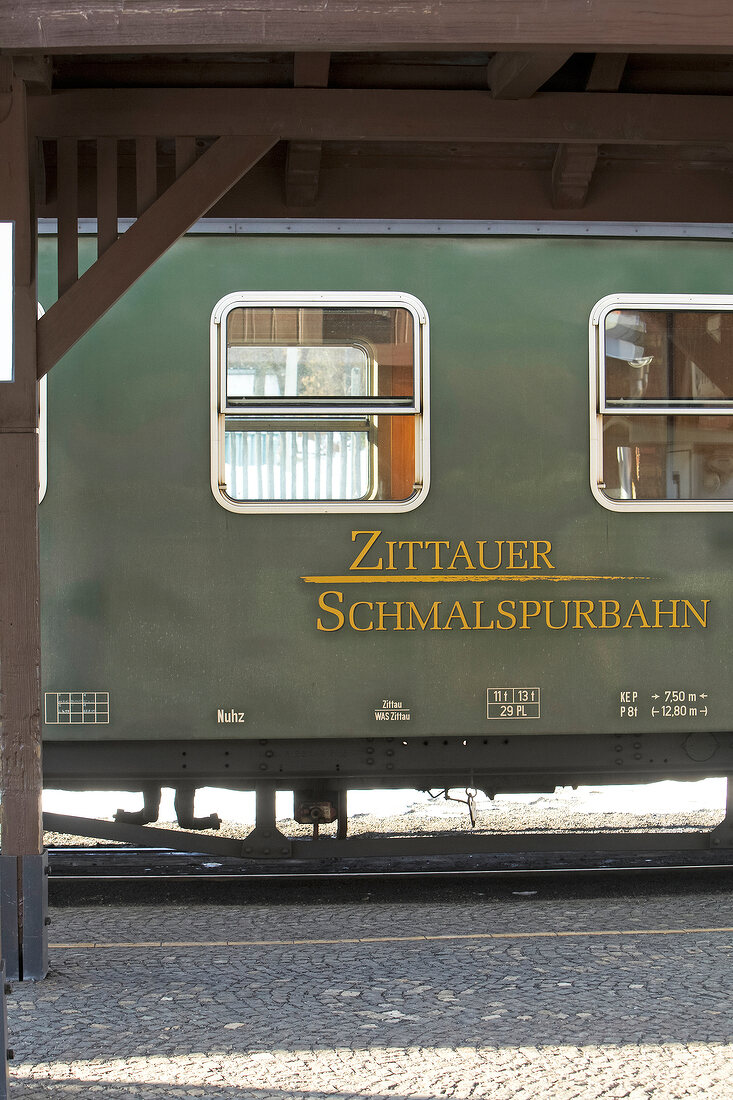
(320, 462)
(668, 457)
(296, 372)
(308, 352)
(346, 458)
(668, 356)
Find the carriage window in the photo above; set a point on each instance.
(662, 380)
(319, 402)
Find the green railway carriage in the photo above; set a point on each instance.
(354, 508)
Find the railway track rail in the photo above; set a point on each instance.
(76, 864)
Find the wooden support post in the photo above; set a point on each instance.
(22, 880)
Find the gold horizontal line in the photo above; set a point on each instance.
(167, 944)
(457, 578)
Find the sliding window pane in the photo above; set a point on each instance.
(668, 458)
(672, 357)
(319, 353)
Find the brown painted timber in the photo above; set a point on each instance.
(111, 25)
(20, 653)
(303, 164)
(185, 154)
(68, 213)
(187, 199)
(572, 172)
(20, 699)
(106, 194)
(334, 114)
(520, 75)
(575, 162)
(146, 177)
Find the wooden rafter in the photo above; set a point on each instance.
(187, 199)
(607, 72)
(36, 72)
(334, 114)
(310, 70)
(616, 25)
(520, 75)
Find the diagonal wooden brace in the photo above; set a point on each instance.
(186, 200)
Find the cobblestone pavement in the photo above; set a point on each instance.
(518, 998)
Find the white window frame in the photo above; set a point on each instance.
(42, 438)
(600, 408)
(417, 408)
(42, 429)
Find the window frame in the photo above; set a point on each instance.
(600, 407)
(318, 411)
(42, 429)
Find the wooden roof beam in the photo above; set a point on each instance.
(36, 71)
(302, 172)
(520, 75)
(607, 72)
(572, 172)
(188, 198)
(303, 161)
(310, 70)
(106, 26)
(575, 163)
(334, 114)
